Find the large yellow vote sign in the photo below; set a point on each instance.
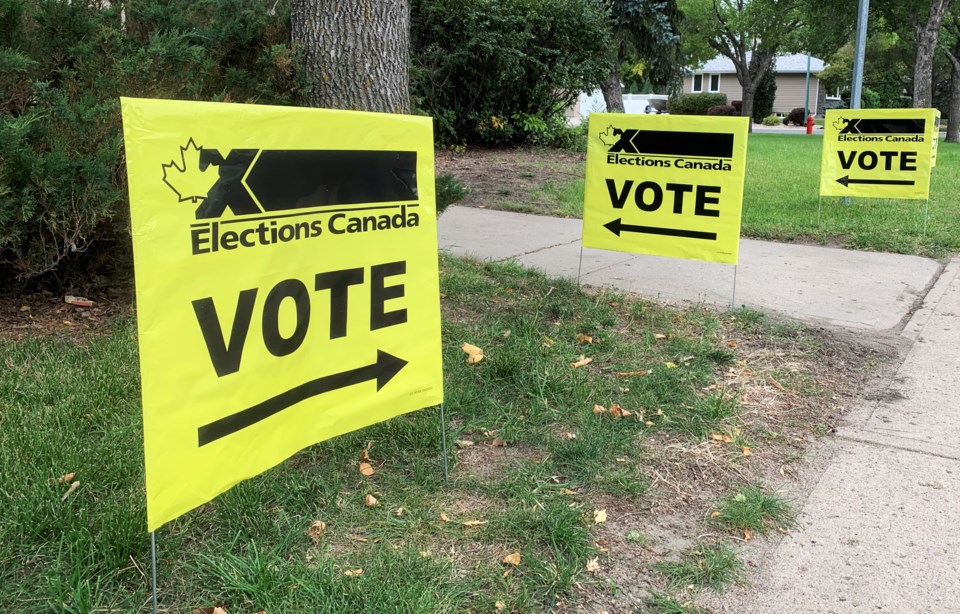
(879, 153)
(665, 185)
(287, 284)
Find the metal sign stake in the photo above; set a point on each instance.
(443, 437)
(153, 568)
(580, 264)
(733, 295)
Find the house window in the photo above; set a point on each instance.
(697, 83)
(714, 83)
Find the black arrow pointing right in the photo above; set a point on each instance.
(846, 181)
(383, 371)
(616, 227)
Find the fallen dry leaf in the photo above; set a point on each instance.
(573, 435)
(582, 338)
(715, 514)
(548, 342)
(499, 606)
(619, 412)
(747, 535)
(353, 572)
(670, 365)
(474, 354)
(444, 517)
(583, 361)
(649, 423)
(721, 437)
(370, 501)
(68, 477)
(317, 530)
(474, 523)
(593, 565)
(70, 490)
(567, 491)
(366, 469)
(629, 373)
(659, 336)
(597, 409)
(746, 451)
(498, 442)
(731, 344)
(399, 512)
(599, 516)
(512, 559)
(775, 383)
(357, 538)
(219, 610)
(507, 572)
(463, 443)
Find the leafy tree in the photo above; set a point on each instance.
(751, 33)
(646, 32)
(952, 26)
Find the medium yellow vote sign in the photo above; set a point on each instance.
(879, 153)
(287, 284)
(666, 185)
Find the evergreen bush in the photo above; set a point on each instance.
(63, 67)
(502, 71)
(694, 104)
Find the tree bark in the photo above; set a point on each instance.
(612, 91)
(927, 34)
(953, 113)
(354, 53)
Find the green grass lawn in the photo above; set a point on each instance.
(781, 202)
(532, 461)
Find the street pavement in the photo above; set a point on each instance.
(879, 527)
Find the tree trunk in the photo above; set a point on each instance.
(354, 53)
(927, 34)
(953, 113)
(747, 109)
(611, 89)
(613, 92)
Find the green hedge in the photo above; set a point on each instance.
(503, 71)
(63, 67)
(694, 104)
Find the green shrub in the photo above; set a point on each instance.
(771, 120)
(449, 191)
(694, 104)
(63, 67)
(502, 71)
(723, 109)
(796, 117)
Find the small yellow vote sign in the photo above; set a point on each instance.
(665, 185)
(287, 284)
(879, 153)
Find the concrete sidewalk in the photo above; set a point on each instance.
(858, 290)
(878, 531)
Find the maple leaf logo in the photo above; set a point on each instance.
(186, 179)
(841, 123)
(610, 136)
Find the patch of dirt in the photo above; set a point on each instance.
(43, 314)
(510, 179)
(791, 398)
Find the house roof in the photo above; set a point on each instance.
(792, 63)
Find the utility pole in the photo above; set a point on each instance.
(856, 89)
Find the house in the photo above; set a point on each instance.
(719, 76)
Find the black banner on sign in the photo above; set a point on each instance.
(885, 126)
(679, 144)
(283, 180)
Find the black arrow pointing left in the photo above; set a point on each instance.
(617, 226)
(846, 181)
(383, 370)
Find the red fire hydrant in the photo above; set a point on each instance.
(809, 124)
